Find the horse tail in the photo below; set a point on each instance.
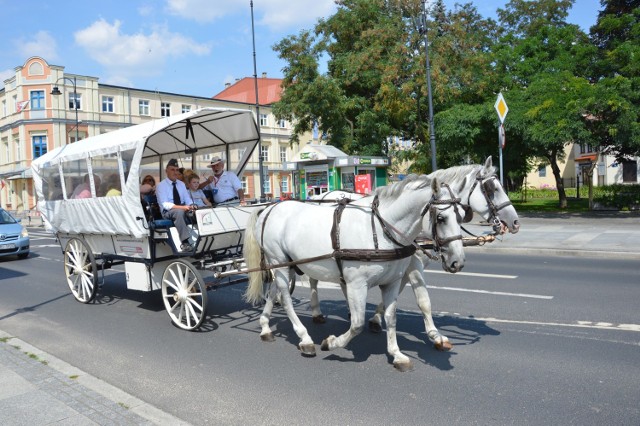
(252, 256)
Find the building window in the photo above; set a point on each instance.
(282, 124)
(284, 185)
(629, 172)
(267, 185)
(245, 185)
(186, 108)
(7, 152)
(75, 101)
(165, 109)
(4, 108)
(263, 119)
(107, 104)
(241, 153)
(18, 149)
(37, 100)
(264, 153)
(143, 107)
(283, 154)
(39, 143)
(542, 171)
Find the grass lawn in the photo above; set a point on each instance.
(547, 205)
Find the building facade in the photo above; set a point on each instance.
(36, 118)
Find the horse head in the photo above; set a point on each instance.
(488, 198)
(442, 221)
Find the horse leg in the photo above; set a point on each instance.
(357, 299)
(318, 317)
(375, 322)
(390, 298)
(415, 274)
(306, 345)
(265, 332)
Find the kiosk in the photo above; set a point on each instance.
(323, 168)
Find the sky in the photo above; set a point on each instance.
(189, 47)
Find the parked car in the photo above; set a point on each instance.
(14, 238)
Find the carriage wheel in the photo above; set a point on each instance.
(184, 294)
(81, 270)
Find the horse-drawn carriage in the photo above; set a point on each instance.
(373, 246)
(114, 225)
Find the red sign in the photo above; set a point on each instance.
(363, 184)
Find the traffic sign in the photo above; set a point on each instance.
(501, 107)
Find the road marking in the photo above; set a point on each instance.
(45, 245)
(473, 274)
(493, 293)
(577, 324)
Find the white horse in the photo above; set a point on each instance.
(478, 188)
(331, 246)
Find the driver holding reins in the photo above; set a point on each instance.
(172, 195)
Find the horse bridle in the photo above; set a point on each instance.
(433, 210)
(493, 209)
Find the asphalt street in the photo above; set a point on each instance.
(38, 388)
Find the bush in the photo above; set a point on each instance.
(618, 195)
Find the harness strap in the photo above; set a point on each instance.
(335, 235)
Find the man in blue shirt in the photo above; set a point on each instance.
(172, 195)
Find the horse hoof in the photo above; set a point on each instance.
(308, 350)
(443, 346)
(324, 346)
(267, 337)
(319, 319)
(374, 327)
(403, 366)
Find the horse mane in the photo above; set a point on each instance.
(458, 173)
(412, 182)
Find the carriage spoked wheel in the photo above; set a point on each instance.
(184, 294)
(81, 270)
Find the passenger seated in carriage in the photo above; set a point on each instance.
(197, 195)
(225, 186)
(148, 185)
(83, 190)
(172, 195)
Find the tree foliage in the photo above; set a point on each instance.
(563, 86)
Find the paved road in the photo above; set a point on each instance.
(37, 388)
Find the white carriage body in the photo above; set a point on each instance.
(115, 227)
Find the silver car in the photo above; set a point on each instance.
(14, 238)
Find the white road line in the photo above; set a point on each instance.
(577, 324)
(493, 293)
(473, 274)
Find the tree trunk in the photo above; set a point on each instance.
(562, 196)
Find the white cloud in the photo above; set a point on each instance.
(5, 74)
(126, 55)
(276, 14)
(42, 44)
(283, 14)
(204, 10)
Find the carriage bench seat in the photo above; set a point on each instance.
(161, 223)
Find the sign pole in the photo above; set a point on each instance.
(502, 109)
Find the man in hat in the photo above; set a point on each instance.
(172, 196)
(225, 185)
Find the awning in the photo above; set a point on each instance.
(589, 157)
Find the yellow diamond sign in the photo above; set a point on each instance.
(501, 107)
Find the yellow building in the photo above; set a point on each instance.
(36, 118)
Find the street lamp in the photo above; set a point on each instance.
(56, 91)
(261, 170)
(432, 131)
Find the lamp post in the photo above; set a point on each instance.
(56, 91)
(261, 170)
(432, 131)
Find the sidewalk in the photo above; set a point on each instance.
(612, 235)
(37, 388)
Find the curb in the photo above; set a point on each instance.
(621, 255)
(110, 392)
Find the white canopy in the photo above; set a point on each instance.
(208, 130)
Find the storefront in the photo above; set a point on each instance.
(324, 168)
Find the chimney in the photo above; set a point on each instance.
(264, 75)
(227, 85)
